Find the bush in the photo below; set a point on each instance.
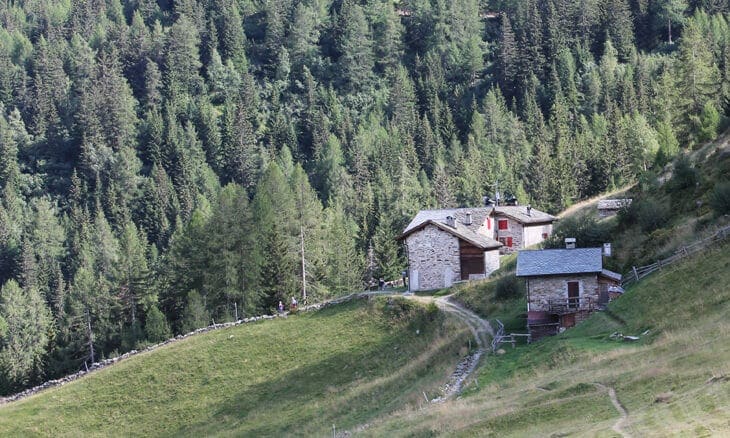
(651, 215)
(684, 177)
(156, 326)
(508, 287)
(720, 198)
(587, 231)
(195, 314)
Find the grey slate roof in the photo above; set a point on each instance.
(613, 204)
(478, 216)
(612, 275)
(461, 231)
(559, 261)
(519, 213)
(465, 232)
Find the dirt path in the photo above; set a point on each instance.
(480, 327)
(620, 425)
(482, 332)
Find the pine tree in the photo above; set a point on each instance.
(507, 58)
(156, 327)
(274, 208)
(232, 262)
(26, 324)
(195, 314)
(698, 76)
(356, 61)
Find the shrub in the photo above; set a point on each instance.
(156, 327)
(651, 215)
(195, 314)
(508, 287)
(587, 231)
(720, 198)
(684, 177)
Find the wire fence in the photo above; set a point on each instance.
(637, 273)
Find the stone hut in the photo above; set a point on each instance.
(564, 286)
(446, 246)
(611, 207)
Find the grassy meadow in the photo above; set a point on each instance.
(344, 365)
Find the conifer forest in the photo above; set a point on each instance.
(169, 163)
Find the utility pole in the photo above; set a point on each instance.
(304, 267)
(90, 334)
(496, 192)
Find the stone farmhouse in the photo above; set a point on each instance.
(450, 245)
(445, 246)
(564, 286)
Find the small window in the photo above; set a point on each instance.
(506, 241)
(503, 224)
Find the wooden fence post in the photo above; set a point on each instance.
(636, 274)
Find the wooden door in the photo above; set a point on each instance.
(471, 258)
(573, 294)
(603, 294)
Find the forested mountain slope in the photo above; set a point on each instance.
(165, 163)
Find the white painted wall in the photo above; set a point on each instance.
(532, 234)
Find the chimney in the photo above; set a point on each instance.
(529, 210)
(570, 243)
(450, 221)
(467, 218)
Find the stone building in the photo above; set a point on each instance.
(564, 286)
(519, 226)
(611, 207)
(446, 246)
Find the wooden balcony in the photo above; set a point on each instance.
(562, 306)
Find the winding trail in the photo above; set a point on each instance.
(482, 332)
(620, 425)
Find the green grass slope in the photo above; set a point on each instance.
(675, 381)
(343, 365)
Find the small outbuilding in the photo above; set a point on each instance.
(611, 207)
(564, 286)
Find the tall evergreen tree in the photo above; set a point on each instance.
(26, 322)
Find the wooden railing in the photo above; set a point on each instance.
(637, 273)
(562, 306)
(502, 338)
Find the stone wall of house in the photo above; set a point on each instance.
(491, 261)
(433, 257)
(533, 233)
(514, 230)
(543, 289)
